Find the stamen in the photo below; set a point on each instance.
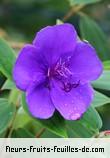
(67, 87)
(61, 73)
(48, 73)
(61, 68)
(75, 85)
(64, 75)
(68, 71)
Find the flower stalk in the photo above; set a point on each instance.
(72, 11)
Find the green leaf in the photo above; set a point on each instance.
(87, 126)
(21, 133)
(82, 2)
(7, 112)
(106, 65)
(100, 99)
(22, 119)
(9, 85)
(3, 134)
(103, 82)
(93, 33)
(56, 124)
(7, 59)
(48, 134)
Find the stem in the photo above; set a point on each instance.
(12, 124)
(73, 11)
(82, 13)
(13, 99)
(10, 128)
(40, 132)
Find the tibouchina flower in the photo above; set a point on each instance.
(55, 72)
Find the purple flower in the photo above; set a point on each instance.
(55, 71)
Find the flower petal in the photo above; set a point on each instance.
(85, 63)
(73, 104)
(39, 102)
(55, 41)
(27, 68)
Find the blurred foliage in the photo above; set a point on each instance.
(19, 21)
(25, 17)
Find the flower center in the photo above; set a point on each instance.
(64, 75)
(62, 68)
